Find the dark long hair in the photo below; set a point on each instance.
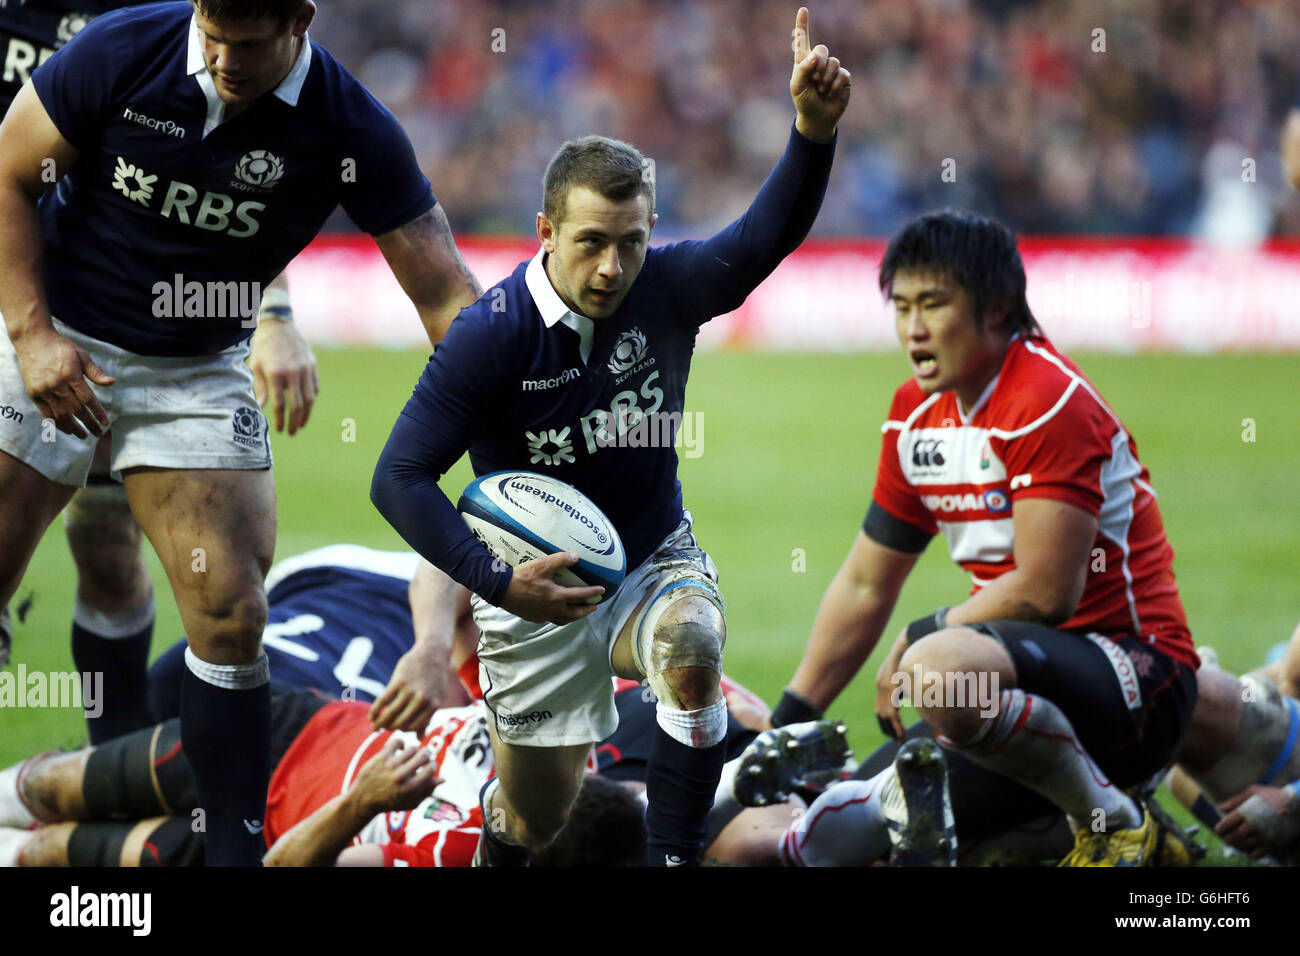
(979, 254)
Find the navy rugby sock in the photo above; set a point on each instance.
(116, 649)
(680, 784)
(226, 734)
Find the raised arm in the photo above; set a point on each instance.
(429, 267)
(33, 155)
(716, 274)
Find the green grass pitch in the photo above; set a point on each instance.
(789, 444)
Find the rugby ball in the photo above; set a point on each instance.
(521, 516)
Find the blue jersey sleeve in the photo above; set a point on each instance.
(79, 85)
(383, 186)
(456, 393)
(714, 276)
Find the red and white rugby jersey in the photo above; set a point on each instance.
(325, 757)
(327, 754)
(1040, 430)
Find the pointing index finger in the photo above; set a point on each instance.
(801, 44)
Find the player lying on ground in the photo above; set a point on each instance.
(113, 618)
(406, 799)
(337, 614)
(1239, 768)
(611, 324)
(1069, 670)
(268, 136)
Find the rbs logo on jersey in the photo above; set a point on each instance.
(212, 211)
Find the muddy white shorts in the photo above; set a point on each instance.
(192, 412)
(549, 685)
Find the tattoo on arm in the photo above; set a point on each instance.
(433, 229)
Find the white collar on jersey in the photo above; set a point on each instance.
(289, 90)
(553, 308)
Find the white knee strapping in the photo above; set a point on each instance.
(682, 643)
(701, 728)
(230, 676)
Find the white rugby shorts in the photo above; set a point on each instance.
(549, 685)
(192, 412)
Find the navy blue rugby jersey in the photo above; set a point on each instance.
(167, 193)
(521, 382)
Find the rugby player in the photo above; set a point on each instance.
(199, 144)
(1239, 751)
(607, 326)
(1074, 625)
(340, 793)
(113, 617)
(334, 612)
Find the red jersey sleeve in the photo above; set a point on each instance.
(1061, 457)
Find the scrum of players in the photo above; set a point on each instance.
(997, 440)
(345, 794)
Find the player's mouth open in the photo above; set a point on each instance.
(926, 365)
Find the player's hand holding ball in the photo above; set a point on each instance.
(818, 85)
(55, 370)
(534, 596)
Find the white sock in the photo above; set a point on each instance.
(1031, 741)
(845, 826)
(230, 676)
(701, 728)
(113, 625)
(14, 812)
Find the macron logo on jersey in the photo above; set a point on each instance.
(166, 127)
(541, 384)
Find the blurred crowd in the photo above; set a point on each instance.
(1146, 117)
